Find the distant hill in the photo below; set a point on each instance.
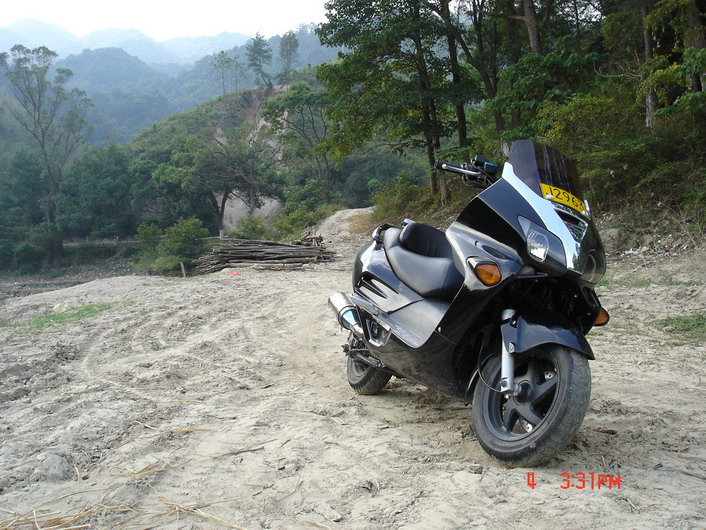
(134, 81)
(33, 33)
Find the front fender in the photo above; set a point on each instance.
(526, 331)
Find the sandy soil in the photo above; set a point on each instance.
(221, 401)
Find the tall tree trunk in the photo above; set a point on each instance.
(651, 97)
(429, 116)
(431, 159)
(222, 215)
(462, 127)
(252, 197)
(531, 23)
(577, 19)
(696, 39)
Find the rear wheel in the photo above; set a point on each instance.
(364, 378)
(530, 428)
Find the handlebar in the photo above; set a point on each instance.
(457, 169)
(480, 174)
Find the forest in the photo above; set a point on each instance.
(616, 85)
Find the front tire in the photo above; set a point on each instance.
(530, 428)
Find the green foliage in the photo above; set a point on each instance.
(62, 315)
(165, 250)
(88, 253)
(52, 115)
(690, 328)
(97, 195)
(149, 237)
(288, 47)
(26, 258)
(183, 242)
(254, 228)
(41, 247)
(399, 200)
(388, 84)
(298, 119)
(6, 253)
(295, 218)
(407, 199)
(23, 189)
(537, 80)
(259, 56)
(623, 162)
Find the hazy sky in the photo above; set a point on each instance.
(165, 19)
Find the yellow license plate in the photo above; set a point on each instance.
(562, 196)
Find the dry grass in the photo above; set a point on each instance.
(176, 510)
(361, 223)
(47, 519)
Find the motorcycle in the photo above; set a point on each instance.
(493, 311)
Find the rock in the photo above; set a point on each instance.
(55, 467)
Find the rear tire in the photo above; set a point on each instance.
(366, 379)
(531, 428)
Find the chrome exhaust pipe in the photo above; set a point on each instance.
(346, 313)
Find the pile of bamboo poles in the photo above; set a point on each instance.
(247, 252)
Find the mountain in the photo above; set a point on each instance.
(128, 95)
(133, 42)
(192, 49)
(33, 33)
(140, 82)
(108, 69)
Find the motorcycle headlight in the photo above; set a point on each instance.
(537, 244)
(543, 246)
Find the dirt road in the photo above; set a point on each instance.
(221, 401)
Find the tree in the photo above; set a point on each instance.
(298, 116)
(97, 193)
(23, 189)
(224, 67)
(248, 158)
(682, 65)
(179, 244)
(288, 47)
(259, 56)
(236, 164)
(239, 72)
(53, 116)
(390, 82)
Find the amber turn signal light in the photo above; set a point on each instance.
(488, 273)
(602, 318)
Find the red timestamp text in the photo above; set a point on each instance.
(580, 481)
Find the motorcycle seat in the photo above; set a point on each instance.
(421, 256)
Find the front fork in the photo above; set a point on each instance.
(508, 328)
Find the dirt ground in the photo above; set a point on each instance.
(222, 401)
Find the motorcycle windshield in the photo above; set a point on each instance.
(548, 173)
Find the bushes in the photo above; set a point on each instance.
(253, 228)
(293, 220)
(26, 258)
(167, 249)
(27, 250)
(402, 199)
(623, 162)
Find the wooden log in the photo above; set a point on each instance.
(239, 252)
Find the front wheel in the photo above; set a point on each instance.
(530, 428)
